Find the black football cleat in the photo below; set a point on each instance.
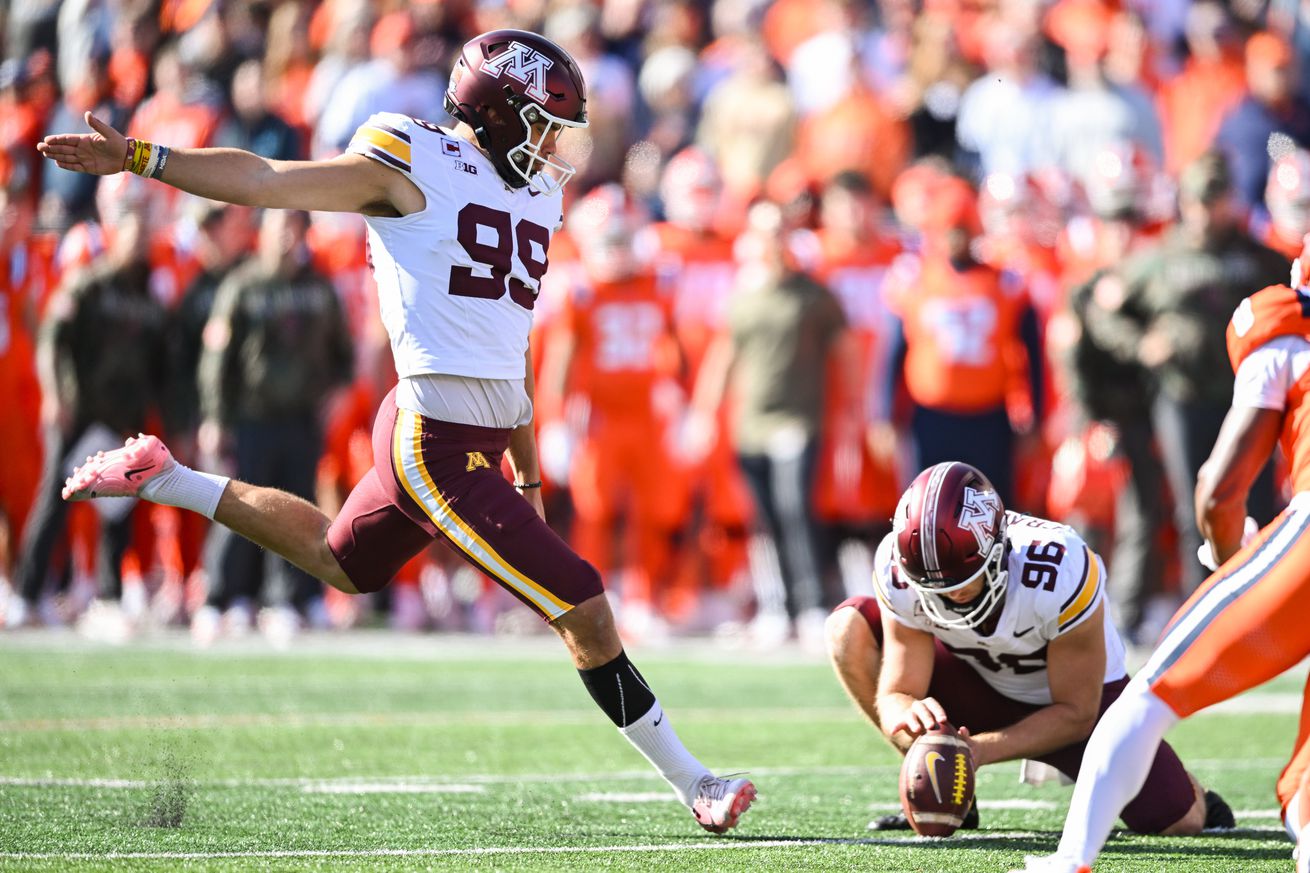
(898, 822)
(1218, 814)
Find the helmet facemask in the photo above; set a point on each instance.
(946, 613)
(544, 173)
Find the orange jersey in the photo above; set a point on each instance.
(859, 133)
(18, 384)
(1279, 311)
(624, 345)
(961, 333)
(702, 273)
(20, 437)
(173, 267)
(855, 275)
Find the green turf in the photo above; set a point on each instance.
(380, 753)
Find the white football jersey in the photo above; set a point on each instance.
(1055, 582)
(457, 281)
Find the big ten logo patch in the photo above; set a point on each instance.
(476, 460)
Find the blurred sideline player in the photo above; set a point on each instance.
(1246, 623)
(1020, 221)
(1127, 197)
(691, 250)
(853, 490)
(965, 340)
(459, 225)
(996, 622)
(613, 353)
(20, 434)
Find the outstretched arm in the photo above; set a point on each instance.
(349, 183)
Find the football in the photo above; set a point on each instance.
(937, 781)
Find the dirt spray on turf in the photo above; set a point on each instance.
(171, 794)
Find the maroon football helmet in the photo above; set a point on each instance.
(949, 531)
(504, 83)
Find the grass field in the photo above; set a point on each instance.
(376, 752)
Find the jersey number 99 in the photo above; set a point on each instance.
(524, 240)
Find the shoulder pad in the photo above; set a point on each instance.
(1270, 313)
(387, 138)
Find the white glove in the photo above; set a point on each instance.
(1205, 554)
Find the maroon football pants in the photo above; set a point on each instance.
(437, 479)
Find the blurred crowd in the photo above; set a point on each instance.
(812, 247)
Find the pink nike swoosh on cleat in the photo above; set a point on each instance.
(121, 472)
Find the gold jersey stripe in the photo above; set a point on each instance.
(397, 148)
(1087, 594)
(420, 487)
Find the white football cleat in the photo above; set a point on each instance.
(721, 801)
(1051, 864)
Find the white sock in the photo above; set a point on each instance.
(654, 737)
(1114, 769)
(1291, 817)
(187, 488)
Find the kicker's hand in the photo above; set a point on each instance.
(918, 717)
(101, 153)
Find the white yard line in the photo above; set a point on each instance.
(1003, 803)
(1250, 704)
(625, 797)
(392, 788)
(401, 782)
(560, 717)
(725, 844)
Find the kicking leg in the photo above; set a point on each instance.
(623, 694)
(276, 520)
(486, 520)
(285, 524)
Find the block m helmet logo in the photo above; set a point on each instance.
(522, 64)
